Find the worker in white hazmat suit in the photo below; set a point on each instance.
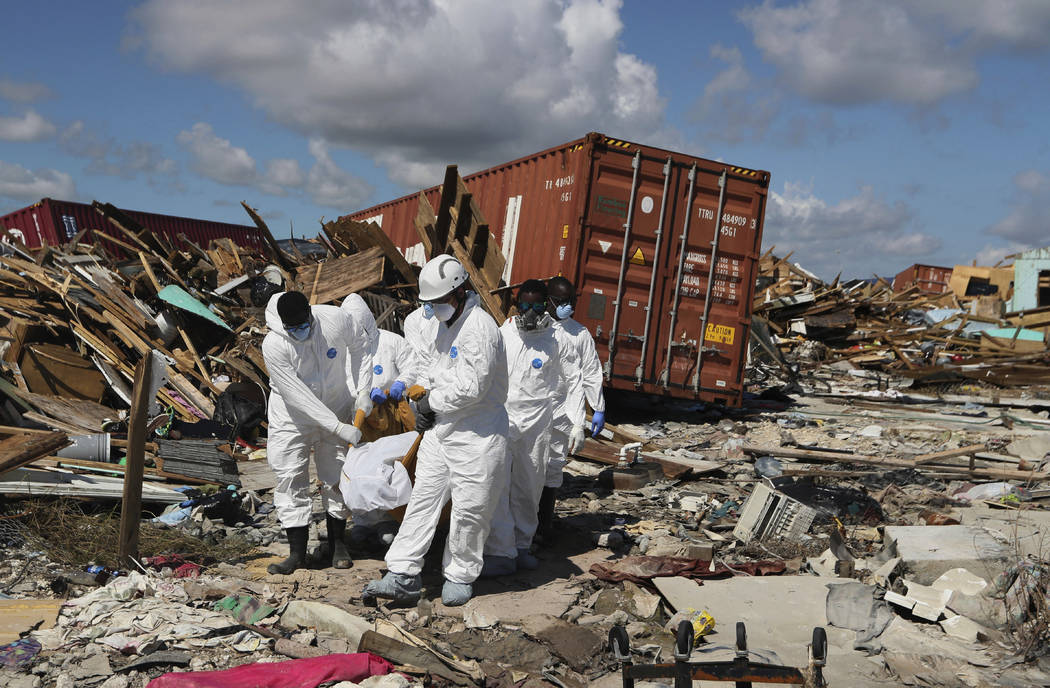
(391, 360)
(305, 352)
(583, 382)
(463, 453)
(536, 367)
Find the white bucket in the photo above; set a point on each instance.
(87, 447)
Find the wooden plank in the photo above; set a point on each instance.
(196, 358)
(404, 654)
(135, 463)
(275, 251)
(18, 450)
(443, 223)
(366, 235)
(491, 302)
(424, 222)
(949, 453)
(834, 457)
(334, 279)
(149, 272)
(20, 616)
(609, 454)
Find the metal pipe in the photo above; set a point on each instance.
(652, 277)
(710, 281)
(665, 376)
(636, 164)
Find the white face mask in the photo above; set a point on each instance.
(444, 311)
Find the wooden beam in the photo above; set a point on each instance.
(811, 455)
(949, 453)
(24, 448)
(131, 506)
(275, 250)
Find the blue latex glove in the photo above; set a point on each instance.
(377, 396)
(597, 422)
(397, 390)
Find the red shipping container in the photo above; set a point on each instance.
(930, 279)
(55, 222)
(637, 229)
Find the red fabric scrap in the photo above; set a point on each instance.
(295, 673)
(643, 569)
(188, 570)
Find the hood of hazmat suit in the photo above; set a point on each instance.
(391, 358)
(465, 454)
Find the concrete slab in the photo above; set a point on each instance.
(495, 602)
(780, 613)
(1028, 529)
(929, 551)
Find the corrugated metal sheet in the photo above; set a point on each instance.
(55, 222)
(564, 211)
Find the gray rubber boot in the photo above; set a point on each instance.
(296, 552)
(498, 566)
(399, 587)
(526, 561)
(456, 594)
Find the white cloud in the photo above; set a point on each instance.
(21, 184)
(216, 158)
(29, 127)
(220, 160)
(993, 254)
(865, 51)
(864, 232)
(418, 84)
(109, 157)
(284, 172)
(731, 108)
(23, 91)
(330, 185)
(1027, 225)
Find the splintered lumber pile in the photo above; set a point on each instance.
(459, 229)
(940, 338)
(76, 319)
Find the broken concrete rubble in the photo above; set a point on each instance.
(859, 442)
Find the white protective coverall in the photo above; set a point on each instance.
(391, 357)
(536, 367)
(464, 455)
(583, 381)
(310, 397)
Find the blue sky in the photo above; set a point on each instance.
(896, 132)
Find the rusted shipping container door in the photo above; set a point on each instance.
(645, 271)
(620, 261)
(710, 284)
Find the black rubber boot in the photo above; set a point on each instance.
(296, 551)
(545, 529)
(339, 557)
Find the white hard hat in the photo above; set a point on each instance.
(439, 277)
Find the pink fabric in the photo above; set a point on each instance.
(295, 673)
